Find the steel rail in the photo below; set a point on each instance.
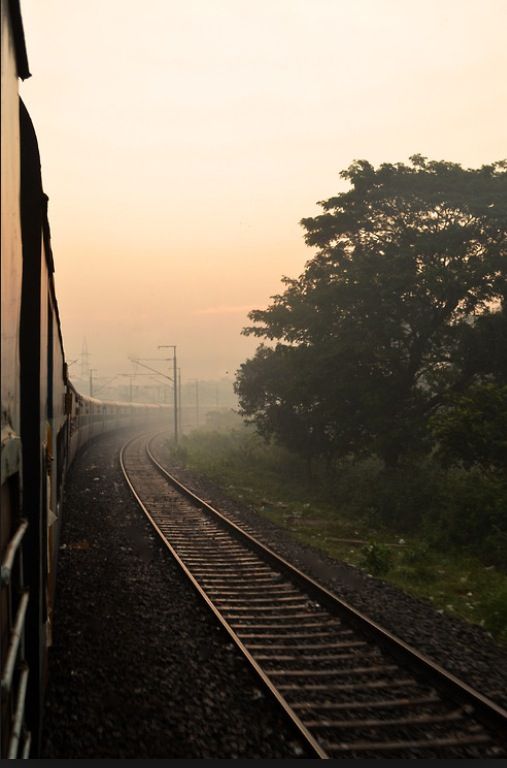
(309, 739)
(495, 713)
(485, 710)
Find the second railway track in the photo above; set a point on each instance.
(350, 687)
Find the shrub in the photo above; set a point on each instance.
(417, 563)
(494, 612)
(177, 453)
(472, 429)
(404, 495)
(377, 559)
(417, 554)
(472, 516)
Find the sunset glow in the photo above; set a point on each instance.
(182, 142)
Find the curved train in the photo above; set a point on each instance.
(45, 420)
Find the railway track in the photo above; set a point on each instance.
(350, 687)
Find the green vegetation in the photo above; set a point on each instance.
(384, 368)
(393, 341)
(380, 388)
(418, 546)
(397, 322)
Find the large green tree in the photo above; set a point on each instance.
(378, 330)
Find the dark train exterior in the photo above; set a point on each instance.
(45, 421)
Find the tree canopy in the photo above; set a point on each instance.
(388, 320)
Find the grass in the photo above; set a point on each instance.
(274, 483)
(454, 584)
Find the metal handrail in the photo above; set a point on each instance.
(18, 716)
(14, 642)
(11, 550)
(26, 746)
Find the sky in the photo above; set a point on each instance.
(183, 141)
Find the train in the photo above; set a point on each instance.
(45, 420)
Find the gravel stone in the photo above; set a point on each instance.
(139, 667)
(466, 650)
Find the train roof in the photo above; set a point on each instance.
(119, 403)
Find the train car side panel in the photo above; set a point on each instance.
(31, 417)
(57, 443)
(11, 270)
(15, 737)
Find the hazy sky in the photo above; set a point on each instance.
(182, 142)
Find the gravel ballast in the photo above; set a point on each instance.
(465, 650)
(139, 668)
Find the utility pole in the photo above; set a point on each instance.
(175, 383)
(165, 376)
(92, 370)
(130, 376)
(85, 359)
(196, 383)
(180, 401)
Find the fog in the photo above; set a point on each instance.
(182, 142)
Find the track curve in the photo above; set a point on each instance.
(351, 688)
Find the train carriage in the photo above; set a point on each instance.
(14, 598)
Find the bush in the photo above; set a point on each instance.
(494, 612)
(454, 508)
(418, 563)
(472, 516)
(177, 453)
(472, 428)
(402, 497)
(494, 550)
(377, 559)
(417, 554)
(353, 485)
